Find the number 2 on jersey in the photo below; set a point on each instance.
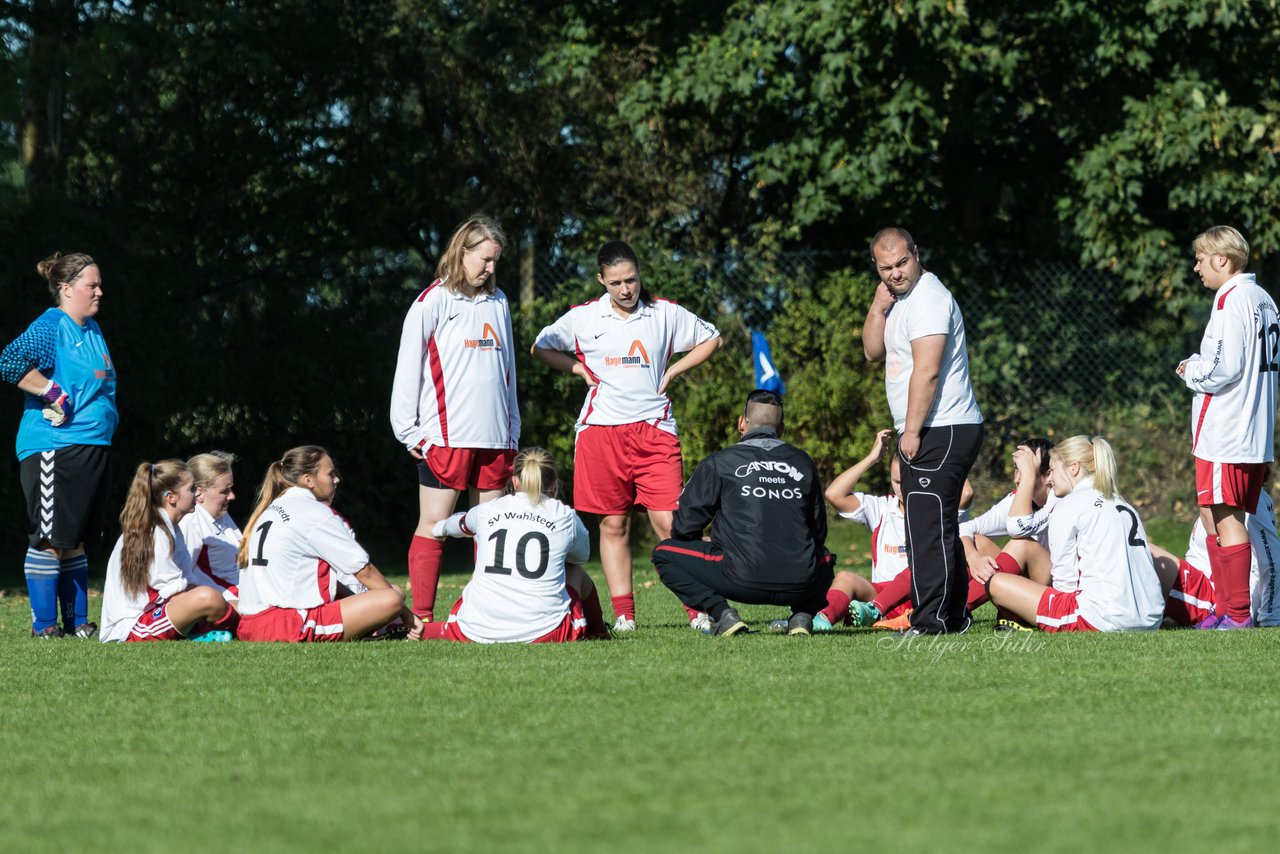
(1134, 539)
(1268, 362)
(522, 548)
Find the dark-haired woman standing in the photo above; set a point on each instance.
(62, 364)
(627, 452)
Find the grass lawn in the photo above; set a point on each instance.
(663, 740)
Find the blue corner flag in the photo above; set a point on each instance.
(767, 376)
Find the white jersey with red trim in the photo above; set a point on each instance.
(168, 576)
(455, 381)
(1233, 413)
(883, 515)
(1099, 548)
(517, 593)
(1264, 573)
(211, 545)
(627, 355)
(1000, 522)
(297, 551)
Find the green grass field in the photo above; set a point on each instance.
(664, 740)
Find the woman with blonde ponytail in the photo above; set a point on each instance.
(528, 585)
(148, 596)
(1101, 574)
(297, 550)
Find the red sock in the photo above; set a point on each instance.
(1231, 579)
(692, 612)
(596, 626)
(426, 554)
(227, 622)
(894, 593)
(434, 631)
(1006, 563)
(837, 606)
(624, 606)
(1216, 575)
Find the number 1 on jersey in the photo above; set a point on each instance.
(262, 543)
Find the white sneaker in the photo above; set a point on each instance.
(622, 624)
(702, 623)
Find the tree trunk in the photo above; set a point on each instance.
(53, 26)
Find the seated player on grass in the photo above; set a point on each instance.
(884, 602)
(1022, 515)
(209, 534)
(1102, 574)
(1190, 599)
(148, 595)
(297, 548)
(528, 585)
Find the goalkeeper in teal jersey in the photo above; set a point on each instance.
(62, 363)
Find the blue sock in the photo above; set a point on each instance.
(41, 569)
(73, 591)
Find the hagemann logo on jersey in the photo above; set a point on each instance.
(631, 360)
(488, 340)
(770, 465)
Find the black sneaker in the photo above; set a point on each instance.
(48, 633)
(1003, 625)
(729, 624)
(84, 631)
(800, 624)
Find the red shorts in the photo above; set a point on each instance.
(291, 625)
(459, 468)
(1058, 612)
(1191, 599)
(619, 466)
(1234, 484)
(154, 624)
(572, 628)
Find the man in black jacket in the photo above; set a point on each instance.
(767, 544)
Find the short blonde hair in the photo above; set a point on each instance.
(1226, 241)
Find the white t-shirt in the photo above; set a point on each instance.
(929, 309)
(1099, 548)
(297, 551)
(1233, 413)
(998, 522)
(628, 355)
(883, 516)
(455, 381)
(517, 593)
(168, 576)
(1264, 574)
(211, 545)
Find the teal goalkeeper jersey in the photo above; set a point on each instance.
(77, 359)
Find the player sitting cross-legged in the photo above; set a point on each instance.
(296, 551)
(148, 595)
(528, 586)
(1102, 574)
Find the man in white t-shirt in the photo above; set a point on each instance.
(915, 327)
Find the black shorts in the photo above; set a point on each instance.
(66, 491)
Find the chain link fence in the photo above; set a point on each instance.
(1049, 339)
